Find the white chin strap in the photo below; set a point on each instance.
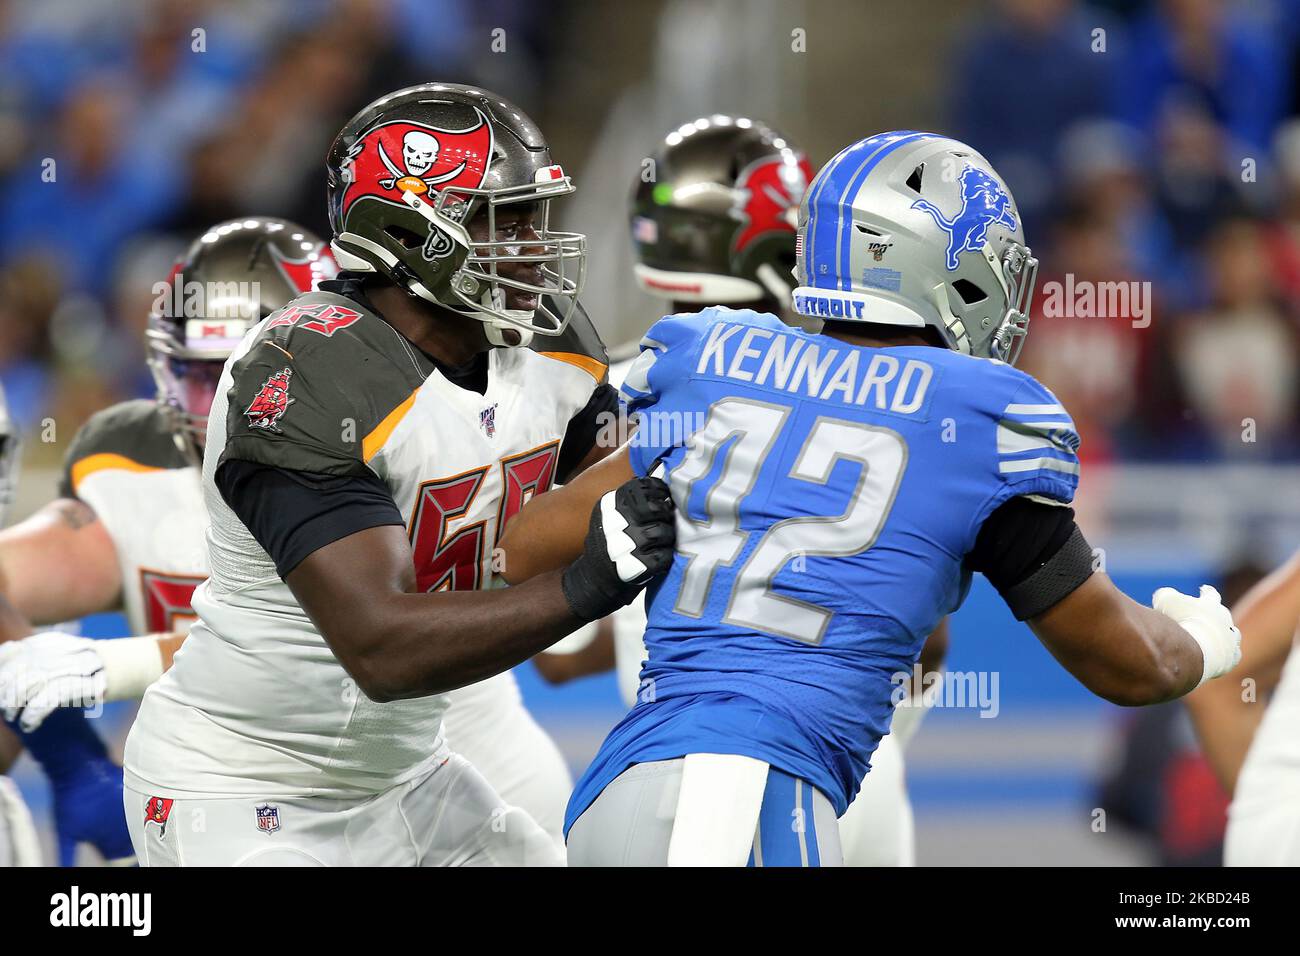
(496, 334)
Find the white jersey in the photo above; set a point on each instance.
(1271, 774)
(126, 464)
(256, 702)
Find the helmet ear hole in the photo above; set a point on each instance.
(407, 238)
(970, 293)
(914, 180)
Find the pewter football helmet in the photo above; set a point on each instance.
(916, 229)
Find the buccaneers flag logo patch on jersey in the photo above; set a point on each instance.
(157, 810)
(271, 402)
(397, 157)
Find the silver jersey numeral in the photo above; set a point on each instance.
(752, 428)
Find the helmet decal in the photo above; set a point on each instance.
(984, 203)
(769, 191)
(415, 182)
(304, 273)
(402, 156)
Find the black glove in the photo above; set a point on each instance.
(630, 540)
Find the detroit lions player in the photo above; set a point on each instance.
(716, 226)
(834, 494)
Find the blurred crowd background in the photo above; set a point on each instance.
(1147, 141)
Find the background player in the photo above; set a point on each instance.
(19, 844)
(825, 525)
(127, 528)
(714, 224)
(1249, 725)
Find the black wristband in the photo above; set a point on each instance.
(1058, 578)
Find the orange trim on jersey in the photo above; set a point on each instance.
(105, 461)
(593, 367)
(371, 444)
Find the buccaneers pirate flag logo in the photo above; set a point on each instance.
(271, 402)
(768, 193)
(396, 157)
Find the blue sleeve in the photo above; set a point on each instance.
(1037, 445)
(655, 384)
(1036, 449)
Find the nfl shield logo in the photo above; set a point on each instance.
(488, 419)
(268, 818)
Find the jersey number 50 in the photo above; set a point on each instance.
(744, 432)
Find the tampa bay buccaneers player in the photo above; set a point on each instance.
(126, 530)
(133, 473)
(715, 225)
(366, 445)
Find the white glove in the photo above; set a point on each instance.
(51, 669)
(1208, 622)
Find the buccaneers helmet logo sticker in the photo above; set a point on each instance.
(271, 402)
(768, 193)
(411, 157)
(303, 274)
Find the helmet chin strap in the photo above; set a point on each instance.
(496, 334)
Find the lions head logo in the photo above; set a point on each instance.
(271, 402)
(398, 157)
(768, 194)
(984, 203)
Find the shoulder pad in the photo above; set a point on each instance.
(579, 345)
(132, 436)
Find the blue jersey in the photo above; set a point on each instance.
(827, 495)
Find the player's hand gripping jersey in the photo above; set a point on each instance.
(333, 396)
(827, 496)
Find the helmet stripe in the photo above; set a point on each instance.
(845, 243)
(820, 228)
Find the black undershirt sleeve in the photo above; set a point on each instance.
(584, 428)
(293, 513)
(1033, 553)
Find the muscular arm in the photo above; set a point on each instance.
(1119, 649)
(398, 642)
(1225, 717)
(548, 533)
(59, 564)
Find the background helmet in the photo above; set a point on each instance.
(716, 222)
(409, 172)
(916, 229)
(233, 276)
